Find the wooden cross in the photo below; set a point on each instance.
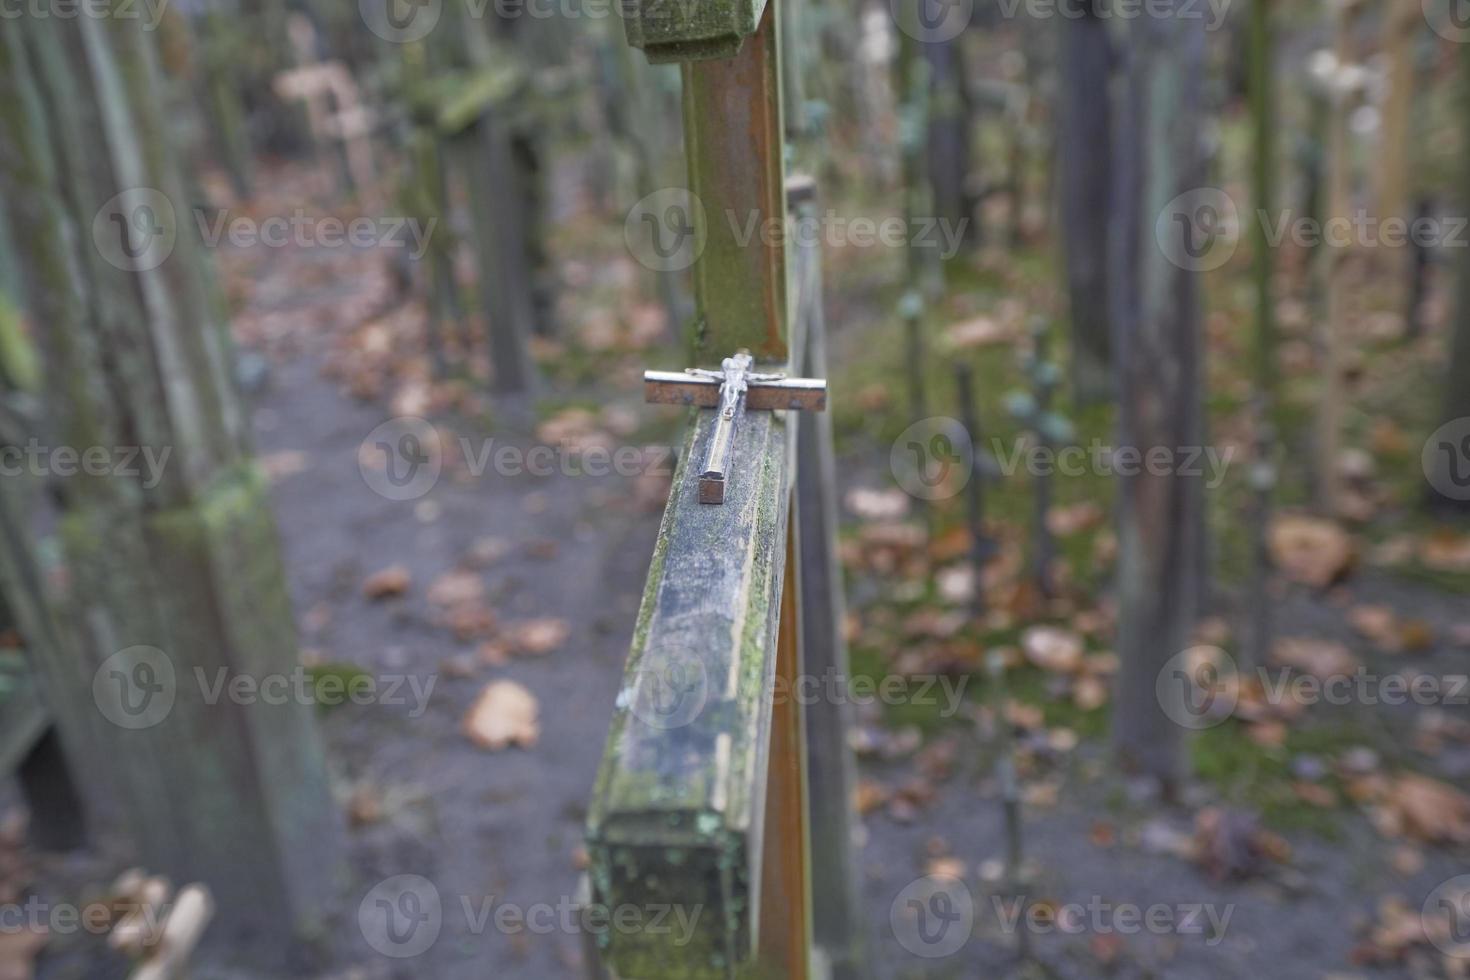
(713, 812)
(732, 389)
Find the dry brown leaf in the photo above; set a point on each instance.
(18, 949)
(392, 581)
(456, 588)
(1446, 551)
(1315, 794)
(1320, 658)
(504, 714)
(1378, 623)
(1053, 649)
(1074, 519)
(1430, 810)
(948, 867)
(982, 331)
(871, 795)
(1310, 550)
(288, 462)
(1089, 693)
(539, 637)
(868, 504)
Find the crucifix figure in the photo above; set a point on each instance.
(732, 389)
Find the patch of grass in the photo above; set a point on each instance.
(1250, 774)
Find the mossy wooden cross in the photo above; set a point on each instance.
(700, 805)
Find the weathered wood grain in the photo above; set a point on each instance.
(831, 769)
(677, 388)
(678, 809)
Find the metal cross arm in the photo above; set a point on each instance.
(732, 390)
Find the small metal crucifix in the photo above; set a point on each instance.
(732, 389)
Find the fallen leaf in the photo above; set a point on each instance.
(1429, 810)
(456, 588)
(392, 581)
(871, 795)
(868, 504)
(1407, 861)
(1074, 519)
(1052, 649)
(18, 949)
(948, 867)
(982, 331)
(1320, 658)
(539, 637)
(1089, 693)
(1378, 623)
(288, 462)
(504, 714)
(1446, 551)
(1310, 550)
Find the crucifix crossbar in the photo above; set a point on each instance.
(732, 389)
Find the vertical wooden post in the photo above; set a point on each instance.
(784, 948)
(735, 146)
(1335, 261)
(733, 140)
(1084, 143)
(831, 778)
(233, 793)
(1263, 471)
(1158, 157)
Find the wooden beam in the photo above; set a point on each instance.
(677, 388)
(837, 926)
(734, 143)
(678, 810)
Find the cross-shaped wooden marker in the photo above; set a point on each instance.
(732, 389)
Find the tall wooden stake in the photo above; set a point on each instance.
(1263, 473)
(1084, 142)
(171, 580)
(1158, 157)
